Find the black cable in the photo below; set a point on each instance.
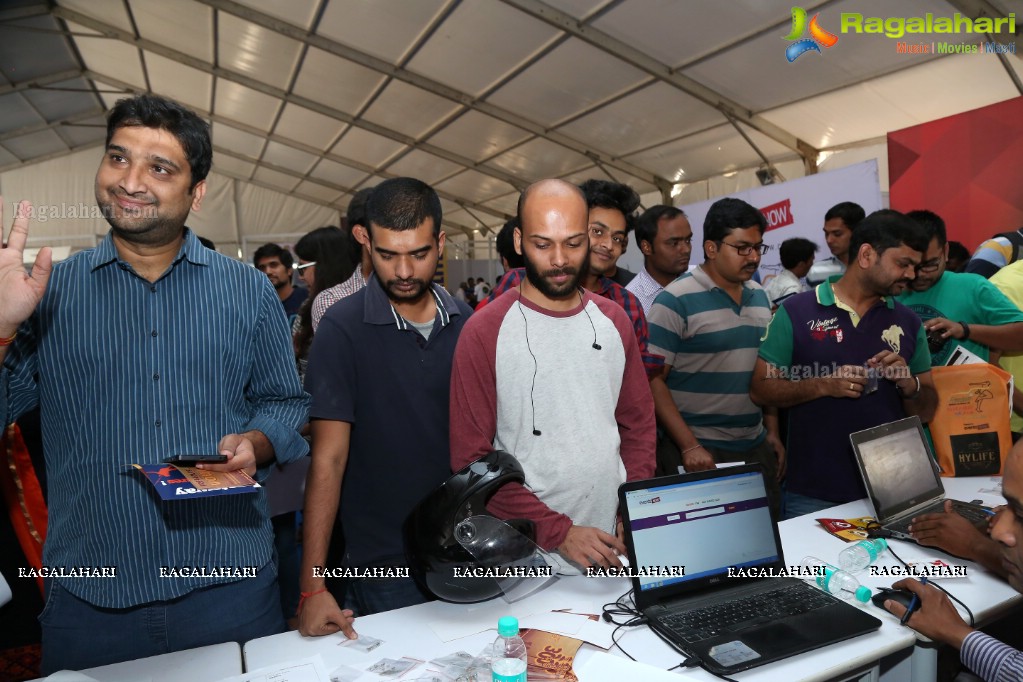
(621, 607)
(536, 367)
(718, 675)
(935, 583)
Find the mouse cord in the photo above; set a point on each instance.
(935, 583)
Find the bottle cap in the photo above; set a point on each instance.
(509, 625)
(863, 594)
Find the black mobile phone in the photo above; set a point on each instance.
(195, 459)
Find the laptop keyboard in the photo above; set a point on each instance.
(967, 511)
(970, 513)
(732, 616)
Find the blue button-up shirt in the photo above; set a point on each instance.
(125, 370)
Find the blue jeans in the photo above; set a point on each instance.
(367, 596)
(77, 634)
(797, 505)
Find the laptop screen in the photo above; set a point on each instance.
(705, 522)
(897, 467)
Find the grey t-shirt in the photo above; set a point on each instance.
(424, 328)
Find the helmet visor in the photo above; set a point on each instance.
(502, 553)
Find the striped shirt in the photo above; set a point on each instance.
(126, 370)
(710, 344)
(652, 363)
(992, 660)
(329, 297)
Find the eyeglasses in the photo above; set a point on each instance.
(930, 266)
(303, 266)
(747, 249)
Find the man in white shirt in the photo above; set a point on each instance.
(665, 237)
(839, 223)
(796, 258)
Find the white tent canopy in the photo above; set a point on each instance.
(311, 100)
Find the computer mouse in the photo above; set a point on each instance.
(904, 597)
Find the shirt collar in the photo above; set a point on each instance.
(378, 308)
(826, 293)
(605, 284)
(191, 249)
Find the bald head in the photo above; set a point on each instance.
(549, 189)
(552, 238)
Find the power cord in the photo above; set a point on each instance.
(935, 584)
(622, 608)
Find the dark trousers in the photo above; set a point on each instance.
(77, 634)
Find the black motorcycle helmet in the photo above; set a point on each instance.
(450, 532)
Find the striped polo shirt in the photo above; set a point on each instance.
(710, 344)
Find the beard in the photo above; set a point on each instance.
(542, 283)
(141, 225)
(406, 290)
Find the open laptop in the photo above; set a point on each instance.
(902, 478)
(706, 523)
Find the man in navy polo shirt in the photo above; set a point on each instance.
(821, 348)
(379, 373)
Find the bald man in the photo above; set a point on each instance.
(553, 374)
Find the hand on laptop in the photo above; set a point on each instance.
(936, 618)
(589, 546)
(953, 533)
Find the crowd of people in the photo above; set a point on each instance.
(383, 383)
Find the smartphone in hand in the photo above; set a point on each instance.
(189, 460)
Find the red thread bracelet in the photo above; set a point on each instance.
(302, 597)
(8, 340)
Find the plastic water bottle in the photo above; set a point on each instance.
(835, 581)
(865, 552)
(509, 664)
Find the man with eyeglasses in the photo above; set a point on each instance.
(665, 237)
(847, 357)
(959, 309)
(610, 208)
(707, 324)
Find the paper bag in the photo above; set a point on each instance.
(970, 428)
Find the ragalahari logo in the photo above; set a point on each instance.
(818, 36)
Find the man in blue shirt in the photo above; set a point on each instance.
(146, 346)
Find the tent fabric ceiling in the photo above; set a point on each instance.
(318, 98)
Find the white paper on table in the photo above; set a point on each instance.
(558, 623)
(309, 669)
(596, 632)
(994, 487)
(483, 617)
(603, 667)
(719, 465)
(69, 676)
